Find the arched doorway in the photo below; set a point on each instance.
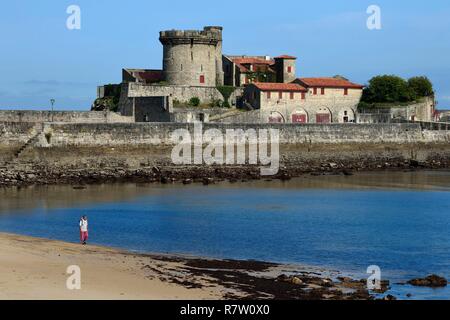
(299, 116)
(323, 115)
(276, 117)
(346, 115)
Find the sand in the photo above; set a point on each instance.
(32, 268)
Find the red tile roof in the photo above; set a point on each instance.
(271, 86)
(285, 57)
(328, 83)
(252, 61)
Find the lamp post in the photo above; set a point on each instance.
(52, 101)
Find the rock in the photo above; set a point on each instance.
(187, 181)
(389, 297)
(207, 181)
(333, 165)
(413, 163)
(283, 278)
(409, 295)
(429, 281)
(156, 170)
(296, 281)
(164, 180)
(347, 173)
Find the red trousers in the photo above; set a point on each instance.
(83, 236)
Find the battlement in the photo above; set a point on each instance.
(209, 35)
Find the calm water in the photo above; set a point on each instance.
(400, 222)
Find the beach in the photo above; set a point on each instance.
(32, 268)
(35, 269)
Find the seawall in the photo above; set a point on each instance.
(95, 152)
(62, 116)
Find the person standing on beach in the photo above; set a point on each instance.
(83, 229)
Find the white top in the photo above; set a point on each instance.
(83, 225)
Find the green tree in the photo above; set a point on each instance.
(421, 86)
(388, 89)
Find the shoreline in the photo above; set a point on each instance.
(35, 268)
(205, 175)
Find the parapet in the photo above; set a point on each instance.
(209, 35)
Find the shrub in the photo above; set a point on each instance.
(194, 101)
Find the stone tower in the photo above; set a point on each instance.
(193, 58)
(285, 67)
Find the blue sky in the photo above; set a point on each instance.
(41, 59)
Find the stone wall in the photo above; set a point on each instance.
(103, 134)
(63, 135)
(422, 111)
(99, 146)
(17, 133)
(180, 93)
(62, 116)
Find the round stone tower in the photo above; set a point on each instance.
(193, 58)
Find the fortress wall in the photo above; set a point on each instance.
(89, 135)
(61, 116)
(74, 146)
(16, 133)
(180, 93)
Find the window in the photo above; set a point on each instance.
(346, 92)
(289, 69)
(303, 96)
(291, 95)
(202, 79)
(322, 91)
(268, 94)
(280, 95)
(315, 91)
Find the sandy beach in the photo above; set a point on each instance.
(35, 268)
(32, 268)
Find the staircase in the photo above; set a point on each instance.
(218, 117)
(30, 141)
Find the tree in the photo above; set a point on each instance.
(421, 86)
(388, 88)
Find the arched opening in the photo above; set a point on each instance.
(299, 116)
(346, 115)
(323, 115)
(276, 117)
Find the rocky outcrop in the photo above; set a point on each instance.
(432, 281)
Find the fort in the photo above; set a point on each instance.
(321, 131)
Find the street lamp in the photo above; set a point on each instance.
(52, 101)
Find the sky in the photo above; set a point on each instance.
(41, 59)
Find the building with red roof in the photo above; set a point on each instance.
(328, 83)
